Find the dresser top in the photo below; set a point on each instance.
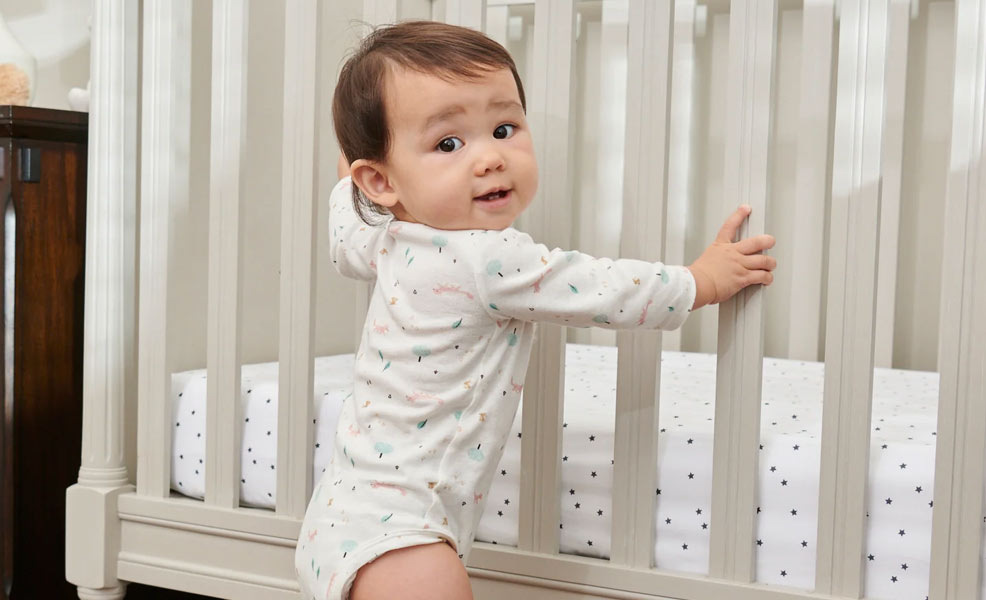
(34, 123)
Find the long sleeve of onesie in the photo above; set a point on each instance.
(353, 245)
(521, 279)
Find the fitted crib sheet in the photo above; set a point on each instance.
(901, 462)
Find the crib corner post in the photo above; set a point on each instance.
(93, 526)
(92, 540)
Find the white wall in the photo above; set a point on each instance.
(56, 32)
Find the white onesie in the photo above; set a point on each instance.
(439, 374)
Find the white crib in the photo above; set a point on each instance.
(834, 158)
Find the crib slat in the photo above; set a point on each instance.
(378, 12)
(893, 143)
(806, 239)
(108, 359)
(375, 12)
(956, 536)
(298, 235)
(468, 13)
(639, 353)
(683, 109)
(223, 411)
(851, 297)
(549, 109)
(752, 39)
(164, 191)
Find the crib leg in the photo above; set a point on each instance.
(111, 593)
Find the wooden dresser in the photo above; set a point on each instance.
(42, 244)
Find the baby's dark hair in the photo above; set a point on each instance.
(430, 47)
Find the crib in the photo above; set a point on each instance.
(810, 130)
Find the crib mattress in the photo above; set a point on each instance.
(901, 462)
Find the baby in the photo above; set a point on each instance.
(432, 120)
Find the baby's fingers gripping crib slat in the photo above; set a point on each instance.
(223, 413)
(644, 203)
(959, 461)
(164, 193)
(298, 235)
(752, 39)
(851, 297)
(549, 110)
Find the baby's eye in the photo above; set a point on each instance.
(504, 131)
(449, 144)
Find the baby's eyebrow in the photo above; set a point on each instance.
(443, 115)
(503, 104)
(451, 111)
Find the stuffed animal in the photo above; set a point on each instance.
(78, 98)
(15, 87)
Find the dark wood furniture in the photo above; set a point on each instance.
(43, 162)
(43, 189)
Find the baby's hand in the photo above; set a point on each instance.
(727, 267)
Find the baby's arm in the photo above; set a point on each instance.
(353, 245)
(521, 279)
(726, 267)
(518, 278)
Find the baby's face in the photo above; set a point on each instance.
(461, 155)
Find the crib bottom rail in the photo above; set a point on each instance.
(184, 544)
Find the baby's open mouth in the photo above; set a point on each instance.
(493, 196)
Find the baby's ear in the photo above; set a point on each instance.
(371, 178)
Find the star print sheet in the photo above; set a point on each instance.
(901, 462)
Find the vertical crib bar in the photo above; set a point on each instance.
(645, 201)
(468, 13)
(164, 190)
(298, 235)
(683, 109)
(851, 300)
(806, 239)
(956, 536)
(893, 155)
(379, 12)
(92, 525)
(223, 408)
(549, 108)
(752, 39)
(375, 12)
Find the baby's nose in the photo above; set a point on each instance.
(489, 160)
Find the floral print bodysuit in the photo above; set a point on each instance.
(439, 374)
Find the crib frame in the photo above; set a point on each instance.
(119, 533)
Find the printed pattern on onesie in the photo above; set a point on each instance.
(439, 374)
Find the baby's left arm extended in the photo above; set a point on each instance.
(521, 279)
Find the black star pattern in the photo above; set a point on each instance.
(593, 470)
